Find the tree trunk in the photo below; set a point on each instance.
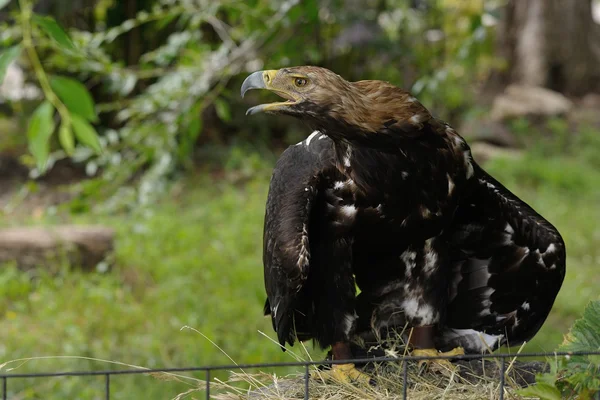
(551, 43)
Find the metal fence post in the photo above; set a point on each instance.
(4, 388)
(405, 379)
(502, 368)
(306, 377)
(107, 386)
(208, 384)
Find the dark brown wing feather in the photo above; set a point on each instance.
(509, 264)
(293, 193)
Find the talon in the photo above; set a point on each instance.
(346, 373)
(439, 365)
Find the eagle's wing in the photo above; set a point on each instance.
(509, 264)
(293, 193)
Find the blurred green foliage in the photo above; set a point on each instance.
(164, 78)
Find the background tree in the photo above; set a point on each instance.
(551, 43)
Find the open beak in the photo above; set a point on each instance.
(264, 80)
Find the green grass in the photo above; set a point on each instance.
(194, 259)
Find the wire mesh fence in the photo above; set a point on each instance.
(404, 361)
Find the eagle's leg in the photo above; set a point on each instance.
(426, 300)
(346, 373)
(334, 304)
(422, 343)
(340, 348)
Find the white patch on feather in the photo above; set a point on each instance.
(457, 139)
(509, 229)
(488, 340)
(450, 185)
(339, 185)
(424, 312)
(525, 306)
(409, 258)
(404, 174)
(304, 253)
(349, 210)
(431, 257)
(349, 323)
(323, 136)
(416, 119)
(274, 310)
(551, 249)
(486, 302)
(484, 313)
(411, 99)
(312, 135)
(348, 156)
(410, 306)
(425, 212)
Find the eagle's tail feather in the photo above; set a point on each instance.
(473, 341)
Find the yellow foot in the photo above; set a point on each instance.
(345, 373)
(439, 365)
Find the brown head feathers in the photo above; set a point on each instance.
(322, 98)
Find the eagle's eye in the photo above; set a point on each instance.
(299, 82)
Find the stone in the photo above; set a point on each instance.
(484, 130)
(483, 152)
(83, 246)
(524, 101)
(591, 100)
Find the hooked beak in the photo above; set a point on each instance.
(264, 80)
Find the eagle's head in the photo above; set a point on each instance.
(328, 102)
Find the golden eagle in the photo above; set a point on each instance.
(385, 197)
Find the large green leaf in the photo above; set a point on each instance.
(65, 136)
(585, 332)
(54, 31)
(6, 57)
(584, 335)
(85, 132)
(542, 390)
(3, 3)
(75, 96)
(41, 126)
